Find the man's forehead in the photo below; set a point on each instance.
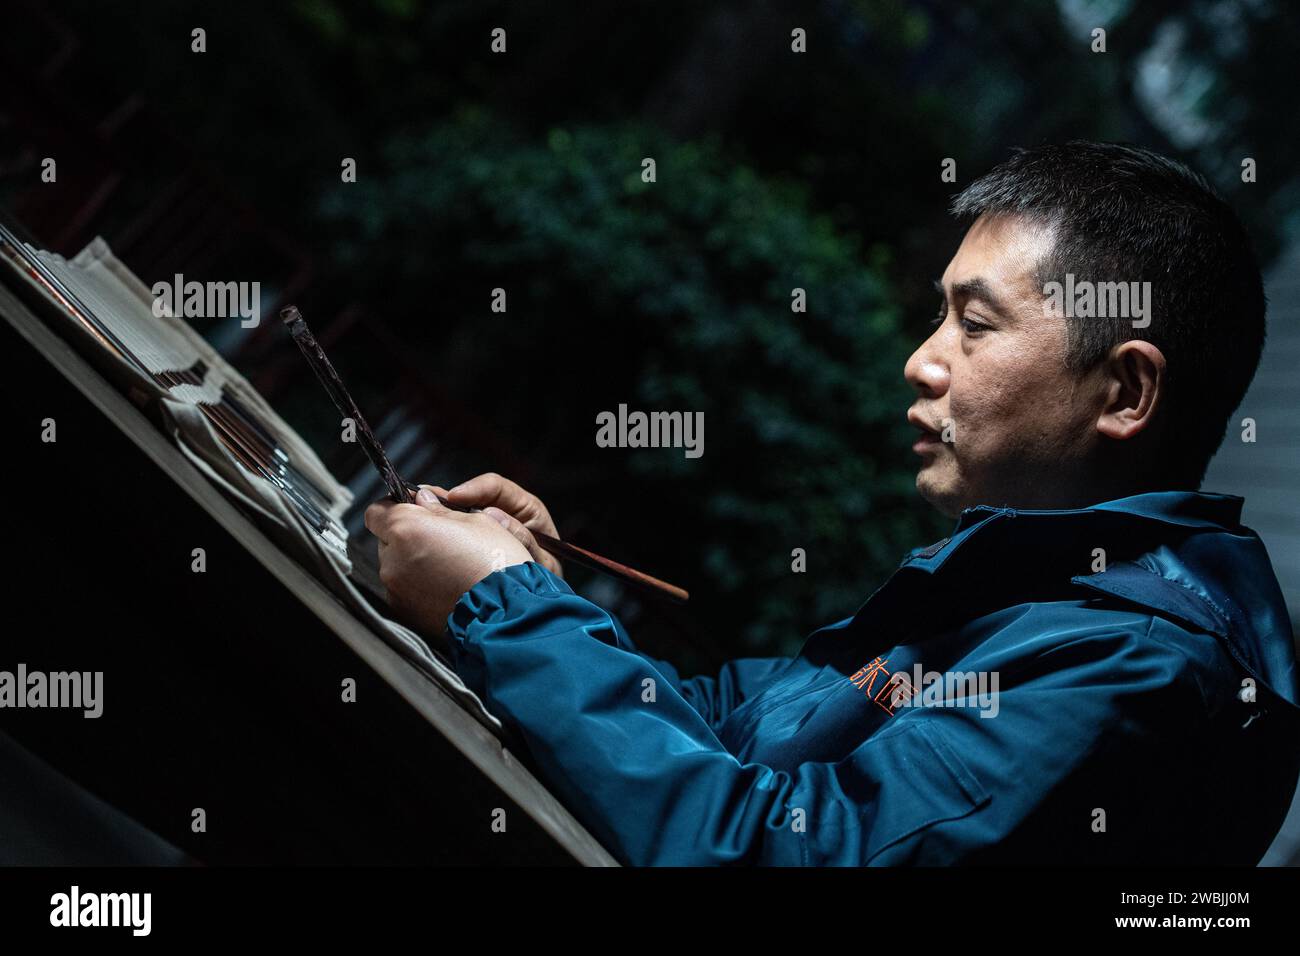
(1000, 255)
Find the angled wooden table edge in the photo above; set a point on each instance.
(465, 733)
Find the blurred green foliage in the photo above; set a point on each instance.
(671, 295)
(522, 171)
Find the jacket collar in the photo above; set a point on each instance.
(1181, 555)
(1174, 509)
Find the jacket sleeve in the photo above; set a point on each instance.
(713, 697)
(646, 773)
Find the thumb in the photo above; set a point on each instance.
(427, 497)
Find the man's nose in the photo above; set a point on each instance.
(926, 371)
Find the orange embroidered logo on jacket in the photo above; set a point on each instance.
(895, 688)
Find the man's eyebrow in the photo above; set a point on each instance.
(975, 288)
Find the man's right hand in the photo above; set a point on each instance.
(519, 512)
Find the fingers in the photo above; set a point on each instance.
(383, 518)
(491, 490)
(525, 537)
(522, 534)
(502, 501)
(377, 518)
(427, 499)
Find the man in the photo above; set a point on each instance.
(1097, 666)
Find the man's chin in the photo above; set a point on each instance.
(938, 493)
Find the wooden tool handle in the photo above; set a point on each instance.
(562, 549)
(590, 559)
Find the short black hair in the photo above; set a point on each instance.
(1124, 213)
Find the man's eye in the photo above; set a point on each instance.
(971, 327)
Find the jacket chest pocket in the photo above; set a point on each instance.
(917, 780)
(820, 723)
(744, 718)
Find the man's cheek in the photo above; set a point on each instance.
(989, 422)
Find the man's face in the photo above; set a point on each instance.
(1002, 422)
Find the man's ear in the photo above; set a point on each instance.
(1135, 387)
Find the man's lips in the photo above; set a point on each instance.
(927, 442)
(929, 439)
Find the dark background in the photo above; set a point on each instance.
(522, 171)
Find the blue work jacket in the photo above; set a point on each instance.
(1112, 684)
